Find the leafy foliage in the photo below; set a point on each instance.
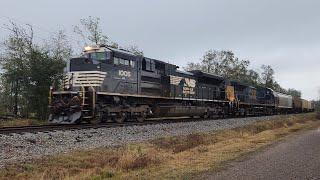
(268, 76)
(29, 69)
(135, 50)
(90, 31)
(294, 92)
(226, 64)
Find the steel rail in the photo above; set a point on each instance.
(56, 127)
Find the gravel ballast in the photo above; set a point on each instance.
(20, 147)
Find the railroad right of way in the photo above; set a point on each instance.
(21, 147)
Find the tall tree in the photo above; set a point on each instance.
(294, 92)
(211, 61)
(90, 31)
(252, 77)
(267, 76)
(135, 50)
(29, 69)
(17, 51)
(194, 66)
(224, 63)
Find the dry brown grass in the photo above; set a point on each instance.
(180, 157)
(182, 143)
(21, 122)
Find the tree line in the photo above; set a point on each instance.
(30, 67)
(224, 63)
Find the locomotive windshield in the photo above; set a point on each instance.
(98, 56)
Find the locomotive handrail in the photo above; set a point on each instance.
(93, 100)
(83, 95)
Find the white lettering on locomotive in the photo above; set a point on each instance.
(188, 90)
(124, 73)
(188, 84)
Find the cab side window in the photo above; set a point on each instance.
(116, 61)
(123, 62)
(132, 64)
(148, 64)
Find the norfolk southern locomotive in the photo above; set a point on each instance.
(116, 85)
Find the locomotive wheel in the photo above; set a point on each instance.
(205, 116)
(78, 121)
(141, 118)
(120, 118)
(102, 117)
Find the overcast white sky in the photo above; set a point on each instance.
(284, 34)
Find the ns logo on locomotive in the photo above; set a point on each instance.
(109, 84)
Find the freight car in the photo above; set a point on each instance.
(283, 102)
(306, 106)
(116, 85)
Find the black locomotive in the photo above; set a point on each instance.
(115, 85)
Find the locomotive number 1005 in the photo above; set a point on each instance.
(123, 73)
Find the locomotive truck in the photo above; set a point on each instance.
(108, 84)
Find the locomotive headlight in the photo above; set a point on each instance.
(87, 48)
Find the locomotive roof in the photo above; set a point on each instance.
(124, 53)
(204, 74)
(121, 51)
(101, 48)
(132, 54)
(185, 72)
(280, 94)
(160, 61)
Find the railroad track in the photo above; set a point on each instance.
(56, 127)
(36, 128)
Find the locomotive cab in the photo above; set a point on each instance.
(98, 55)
